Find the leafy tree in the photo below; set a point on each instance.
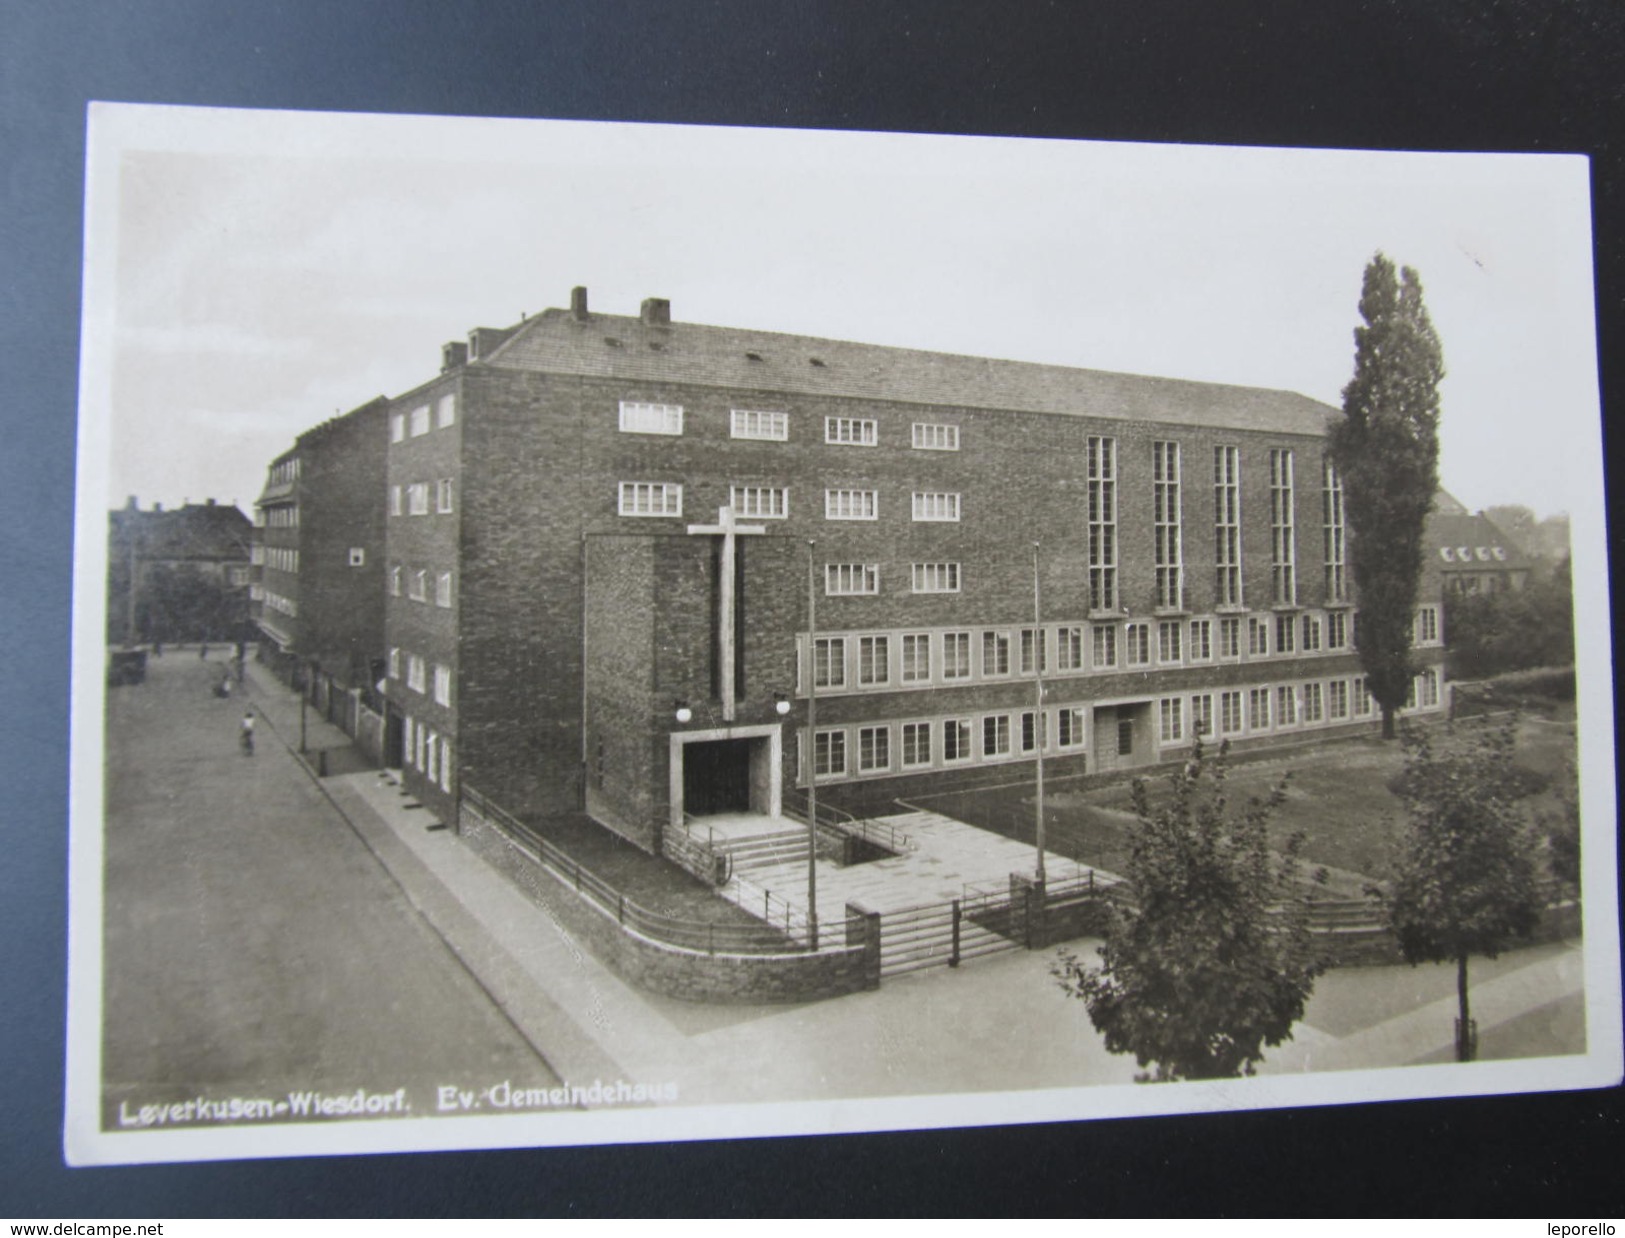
(1465, 880)
(1513, 629)
(1563, 832)
(1211, 956)
(1386, 449)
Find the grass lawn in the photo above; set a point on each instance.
(1337, 796)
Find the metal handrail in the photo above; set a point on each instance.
(794, 804)
(671, 930)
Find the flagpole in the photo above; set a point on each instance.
(1038, 710)
(812, 749)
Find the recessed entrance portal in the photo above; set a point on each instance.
(716, 777)
(732, 770)
(1122, 736)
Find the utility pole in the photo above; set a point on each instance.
(812, 748)
(1038, 710)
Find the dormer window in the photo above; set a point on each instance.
(1499, 552)
(1447, 554)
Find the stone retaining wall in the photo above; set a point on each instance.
(693, 975)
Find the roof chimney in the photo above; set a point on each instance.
(209, 502)
(157, 507)
(656, 312)
(453, 355)
(132, 505)
(578, 304)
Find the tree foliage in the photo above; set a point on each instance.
(1512, 629)
(1386, 449)
(1211, 956)
(1465, 881)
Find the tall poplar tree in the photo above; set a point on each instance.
(1386, 449)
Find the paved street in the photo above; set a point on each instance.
(253, 944)
(267, 934)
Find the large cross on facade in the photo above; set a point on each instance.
(728, 529)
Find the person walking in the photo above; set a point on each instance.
(246, 731)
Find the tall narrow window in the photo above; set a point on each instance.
(995, 653)
(916, 744)
(1331, 501)
(1033, 651)
(996, 735)
(874, 659)
(445, 411)
(1227, 526)
(956, 655)
(916, 657)
(1165, 523)
(956, 739)
(1137, 639)
(829, 661)
(1102, 520)
(829, 754)
(1105, 640)
(1283, 546)
(1069, 648)
(874, 748)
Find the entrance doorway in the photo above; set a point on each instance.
(716, 777)
(394, 738)
(1122, 736)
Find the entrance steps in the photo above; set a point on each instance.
(762, 851)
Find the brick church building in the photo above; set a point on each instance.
(621, 553)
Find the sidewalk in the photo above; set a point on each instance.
(1010, 1029)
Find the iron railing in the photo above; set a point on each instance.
(837, 821)
(781, 932)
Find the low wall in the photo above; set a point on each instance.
(673, 971)
(695, 857)
(369, 733)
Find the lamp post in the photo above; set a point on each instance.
(1038, 711)
(812, 749)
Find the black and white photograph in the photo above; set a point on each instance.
(595, 633)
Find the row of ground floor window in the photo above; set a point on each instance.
(1107, 734)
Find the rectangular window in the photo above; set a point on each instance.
(1168, 646)
(420, 420)
(1101, 468)
(760, 502)
(431, 751)
(1338, 695)
(1230, 637)
(1427, 625)
(1258, 637)
(1230, 713)
(1286, 705)
(874, 748)
(874, 659)
(397, 427)
(442, 684)
(445, 765)
(395, 501)
(916, 744)
(442, 491)
(417, 673)
(651, 498)
(1314, 709)
(956, 739)
(1285, 634)
(1283, 544)
(418, 590)
(995, 653)
(1337, 630)
(395, 582)
(1105, 641)
(850, 505)
(445, 411)
(1202, 714)
(929, 436)
(417, 498)
(916, 657)
(1310, 628)
(956, 655)
(996, 735)
(1069, 648)
(1363, 704)
(1331, 503)
(1029, 731)
(936, 578)
(1227, 526)
(1171, 710)
(753, 423)
(850, 431)
(1429, 681)
(442, 590)
(358, 556)
(394, 664)
(851, 579)
(1165, 524)
(1069, 728)
(829, 662)
(1137, 638)
(1201, 644)
(829, 754)
(938, 506)
(1034, 651)
(638, 417)
(410, 751)
(1258, 709)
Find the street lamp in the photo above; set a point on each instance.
(682, 712)
(781, 704)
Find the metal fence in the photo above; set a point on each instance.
(794, 804)
(783, 931)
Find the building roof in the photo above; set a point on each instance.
(206, 531)
(1460, 541)
(628, 348)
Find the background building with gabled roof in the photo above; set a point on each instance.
(177, 575)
